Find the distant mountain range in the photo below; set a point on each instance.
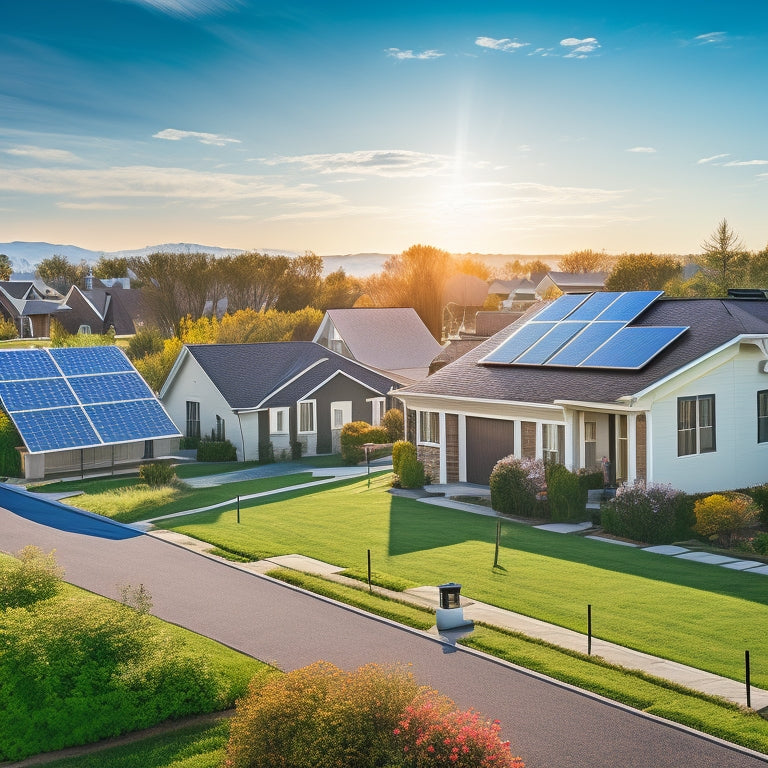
(25, 256)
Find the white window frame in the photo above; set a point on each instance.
(193, 411)
(429, 427)
(550, 443)
(762, 416)
(695, 428)
(313, 411)
(276, 415)
(378, 409)
(345, 406)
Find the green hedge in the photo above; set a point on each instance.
(400, 450)
(515, 484)
(216, 450)
(354, 435)
(566, 497)
(10, 458)
(157, 474)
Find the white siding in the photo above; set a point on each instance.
(738, 460)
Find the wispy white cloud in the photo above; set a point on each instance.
(735, 163)
(710, 38)
(43, 154)
(500, 44)
(152, 182)
(712, 159)
(188, 8)
(579, 48)
(542, 52)
(172, 134)
(643, 150)
(389, 163)
(397, 53)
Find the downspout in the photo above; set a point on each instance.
(242, 436)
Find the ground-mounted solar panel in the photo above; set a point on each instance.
(632, 348)
(55, 429)
(109, 387)
(518, 343)
(35, 394)
(127, 421)
(74, 361)
(594, 305)
(547, 346)
(21, 364)
(560, 308)
(583, 345)
(629, 305)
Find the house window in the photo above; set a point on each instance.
(307, 416)
(278, 421)
(695, 425)
(590, 444)
(149, 449)
(429, 427)
(762, 416)
(550, 444)
(221, 432)
(341, 414)
(378, 409)
(193, 419)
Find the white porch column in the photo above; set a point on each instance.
(539, 441)
(580, 441)
(517, 438)
(648, 448)
(462, 448)
(631, 448)
(568, 457)
(443, 449)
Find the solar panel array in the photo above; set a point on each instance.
(588, 331)
(78, 397)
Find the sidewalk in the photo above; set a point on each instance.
(427, 597)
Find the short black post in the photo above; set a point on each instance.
(238, 509)
(746, 664)
(589, 630)
(498, 538)
(370, 588)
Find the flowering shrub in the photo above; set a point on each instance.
(654, 514)
(431, 732)
(514, 485)
(721, 515)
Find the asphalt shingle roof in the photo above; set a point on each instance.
(712, 323)
(248, 374)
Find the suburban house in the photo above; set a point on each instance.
(99, 307)
(272, 394)
(78, 409)
(555, 283)
(30, 306)
(392, 340)
(652, 389)
(517, 289)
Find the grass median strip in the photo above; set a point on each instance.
(639, 690)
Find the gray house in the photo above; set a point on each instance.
(275, 393)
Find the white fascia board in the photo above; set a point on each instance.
(288, 383)
(400, 395)
(174, 371)
(589, 405)
(333, 376)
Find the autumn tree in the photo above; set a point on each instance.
(724, 259)
(415, 278)
(58, 272)
(338, 291)
(6, 268)
(758, 269)
(642, 272)
(583, 261)
(107, 267)
(301, 283)
(537, 269)
(472, 265)
(252, 280)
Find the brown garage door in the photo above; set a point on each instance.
(488, 440)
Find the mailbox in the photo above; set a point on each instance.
(450, 595)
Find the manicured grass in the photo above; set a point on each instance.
(197, 746)
(641, 691)
(184, 471)
(128, 499)
(701, 615)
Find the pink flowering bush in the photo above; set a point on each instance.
(653, 514)
(431, 733)
(515, 484)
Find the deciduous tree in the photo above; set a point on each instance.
(583, 261)
(642, 272)
(60, 273)
(6, 268)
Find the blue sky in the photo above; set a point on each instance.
(491, 127)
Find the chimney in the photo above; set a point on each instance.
(89, 280)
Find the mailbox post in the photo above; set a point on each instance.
(450, 614)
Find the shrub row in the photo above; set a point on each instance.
(216, 450)
(157, 474)
(354, 435)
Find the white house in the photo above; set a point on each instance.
(676, 392)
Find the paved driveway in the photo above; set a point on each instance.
(549, 724)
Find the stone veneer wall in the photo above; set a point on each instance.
(641, 451)
(429, 456)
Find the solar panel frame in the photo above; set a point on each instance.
(629, 305)
(130, 421)
(561, 307)
(76, 361)
(55, 429)
(551, 343)
(594, 305)
(632, 348)
(582, 346)
(110, 387)
(24, 364)
(36, 394)
(522, 340)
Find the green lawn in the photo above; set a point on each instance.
(128, 499)
(697, 614)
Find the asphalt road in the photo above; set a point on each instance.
(549, 724)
